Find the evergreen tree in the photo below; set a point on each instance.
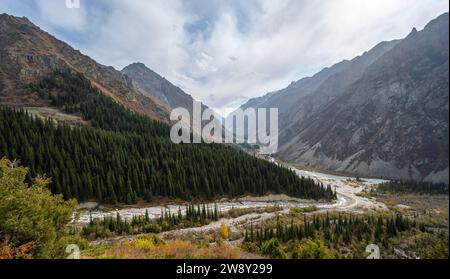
(123, 156)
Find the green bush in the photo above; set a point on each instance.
(30, 214)
(273, 249)
(312, 249)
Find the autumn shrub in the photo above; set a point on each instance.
(147, 242)
(146, 248)
(224, 231)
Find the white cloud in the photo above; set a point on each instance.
(290, 39)
(222, 51)
(56, 13)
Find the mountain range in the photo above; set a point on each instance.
(382, 114)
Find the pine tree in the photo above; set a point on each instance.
(123, 156)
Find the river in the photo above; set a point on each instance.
(346, 188)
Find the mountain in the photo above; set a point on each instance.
(150, 83)
(28, 54)
(382, 114)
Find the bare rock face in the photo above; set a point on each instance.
(382, 114)
(27, 54)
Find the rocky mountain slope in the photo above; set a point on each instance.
(382, 114)
(150, 83)
(27, 54)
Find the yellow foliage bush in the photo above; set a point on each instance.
(147, 241)
(224, 231)
(143, 244)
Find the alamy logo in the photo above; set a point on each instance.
(252, 126)
(374, 251)
(73, 4)
(74, 252)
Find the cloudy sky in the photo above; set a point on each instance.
(225, 51)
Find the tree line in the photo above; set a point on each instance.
(123, 156)
(342, 229)
(193, 216)
(74, 94)
(410, 186)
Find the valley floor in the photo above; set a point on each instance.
(347, 190)
(238, 215)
